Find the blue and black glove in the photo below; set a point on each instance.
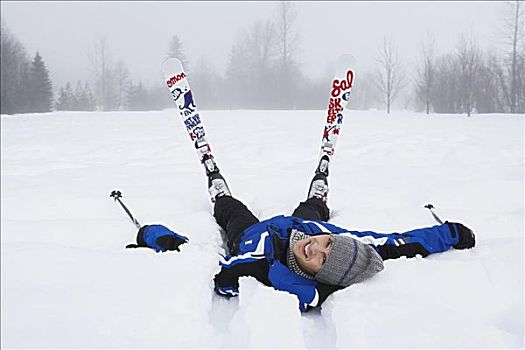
(158, 237)
(467, 238)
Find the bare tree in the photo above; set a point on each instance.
(100, 60)
(286, 15)
(262, 45)
(489, 91)
(470, 62)
(389, 78)
(251, 67)
(238, 74)
(122, 83)
(365, 94)
(520, 84)
(287, 43)
(513, 32)
(425, 72)
(446, 90)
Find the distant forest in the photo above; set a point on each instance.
(263, 73)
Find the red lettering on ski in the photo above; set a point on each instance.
(326, 133)
(343, 85)
(174, 79)
(333, 108)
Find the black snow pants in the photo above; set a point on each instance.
(234, 217)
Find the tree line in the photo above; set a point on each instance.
(263, 72)
(24, 84)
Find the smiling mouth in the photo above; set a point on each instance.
(306, 246)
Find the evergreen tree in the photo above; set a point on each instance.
(140, 98)
(41, 89)
(61, 102)
(176, 50)
(65, 101)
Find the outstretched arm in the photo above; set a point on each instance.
(426, 241)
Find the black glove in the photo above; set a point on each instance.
(140, 240)
(170, 242)
(467, 239)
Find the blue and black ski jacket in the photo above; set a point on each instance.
(263, 246)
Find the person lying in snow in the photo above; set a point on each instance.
(305, 255)
(302, 254)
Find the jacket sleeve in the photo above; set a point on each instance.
(323, 290)
(311, 294)
(227, 280)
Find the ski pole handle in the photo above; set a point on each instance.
(431, 207)
(116, 195)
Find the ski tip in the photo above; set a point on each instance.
(170, 59)
(171, 64)
(344, 62)
(346, 59)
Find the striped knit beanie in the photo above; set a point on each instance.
(349, 262)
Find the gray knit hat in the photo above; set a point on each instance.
(349, 262)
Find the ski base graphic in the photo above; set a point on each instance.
(177, 82)
(339, 97)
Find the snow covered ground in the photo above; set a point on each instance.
(67, 280)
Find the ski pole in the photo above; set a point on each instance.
(430, 207)
(116, 195)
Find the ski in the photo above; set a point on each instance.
(177, 82)
(339, 97)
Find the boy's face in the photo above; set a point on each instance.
(311, 253)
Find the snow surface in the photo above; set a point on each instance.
(67, 280)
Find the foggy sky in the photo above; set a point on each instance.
(139, 32)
